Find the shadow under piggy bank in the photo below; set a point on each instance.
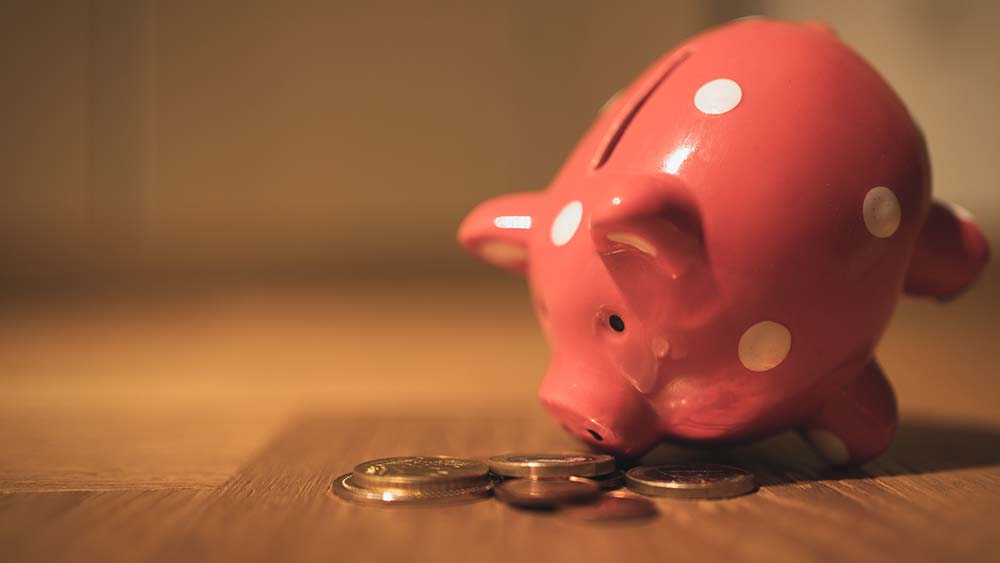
(922, 445)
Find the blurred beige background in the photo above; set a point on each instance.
(216, 215)
(147, 141)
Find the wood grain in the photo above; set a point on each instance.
(108, 450)
(208, 427)
(931, 498)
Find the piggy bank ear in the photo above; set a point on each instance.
(648, 225)
(498, 230)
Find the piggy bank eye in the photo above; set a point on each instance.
(616, 323)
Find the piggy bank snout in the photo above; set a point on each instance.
(607, 415)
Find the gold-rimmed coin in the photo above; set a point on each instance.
(546, 492)
(420, 473)
(613, 506)
(694, 481)
(346, 488)
(552, 465)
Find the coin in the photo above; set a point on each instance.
(346, 488)
(612, 506)
(695, 481)
(552, 465)
(420, 473)
(546, 492)
(610, 481)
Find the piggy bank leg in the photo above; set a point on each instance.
(950, 254)
(858, 424)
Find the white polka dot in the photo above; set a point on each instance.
(764, 345)
(718, 96)
(881, 212)
(566, 223)
(829, 446)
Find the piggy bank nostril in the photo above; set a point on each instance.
(595, 435)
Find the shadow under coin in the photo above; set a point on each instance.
(922, 445)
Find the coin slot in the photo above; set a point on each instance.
(623, 123)
(595, 435)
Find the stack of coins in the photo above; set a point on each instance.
(550, 480)
(578, 485)
(598, 467)
(570, 482)
(415, 480)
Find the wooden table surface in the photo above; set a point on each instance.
(208, 425)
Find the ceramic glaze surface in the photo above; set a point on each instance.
(720, 254)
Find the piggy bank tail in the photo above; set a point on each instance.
(951, 253)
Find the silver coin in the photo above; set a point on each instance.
(552, 464)
(420, 473)
(345, 488)
(694, 481)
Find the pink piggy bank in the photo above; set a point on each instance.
(719, 256)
